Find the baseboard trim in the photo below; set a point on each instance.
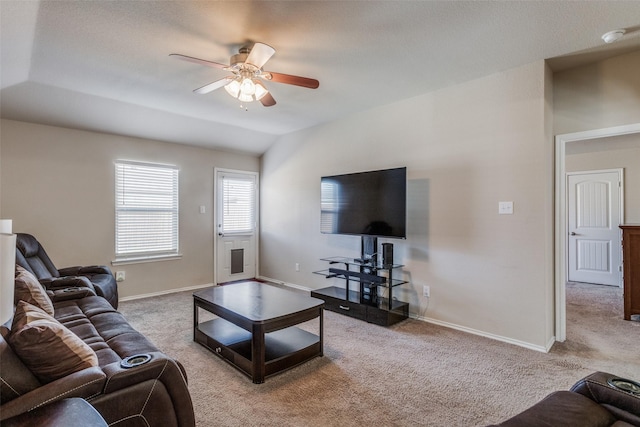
(550, 344)
(542, 349)
(167, 292)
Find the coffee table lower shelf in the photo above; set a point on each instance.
(284, 349)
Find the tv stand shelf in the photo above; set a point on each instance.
(364, 303)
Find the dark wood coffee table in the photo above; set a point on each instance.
(255, 329)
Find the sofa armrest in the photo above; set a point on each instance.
(624, 404)
(53, 283)
(159, 368)
(65, 294)
(85, 383)
(70, 271)
(89, 269)
(62, 413)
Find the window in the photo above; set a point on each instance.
(238, 204)
(146, 211)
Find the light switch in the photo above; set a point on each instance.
(505, 208)
(202, 209)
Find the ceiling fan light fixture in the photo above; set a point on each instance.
(260, 91)
(247, 87)
(233, 88)
(243, 97)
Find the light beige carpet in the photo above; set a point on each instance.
(411, 374)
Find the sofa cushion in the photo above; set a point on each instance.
(28, 289)
(104, 329)
(46, 347)
(15, 378)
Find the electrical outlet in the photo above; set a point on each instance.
(426, 291)
(297, 266)
(119, 276)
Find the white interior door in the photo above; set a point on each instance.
(595, 212)
(236, 224)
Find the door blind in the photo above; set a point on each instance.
(146, 209)
(238, 204)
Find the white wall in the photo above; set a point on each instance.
(58, 184)
(600, 95)
(466, 148)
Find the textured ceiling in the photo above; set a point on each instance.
(105, 65)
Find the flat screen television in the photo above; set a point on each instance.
(370, 203)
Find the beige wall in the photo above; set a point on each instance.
(466, 148)
(611, 153)
(58, 184)
(596, 96)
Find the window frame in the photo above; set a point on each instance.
(172, 176)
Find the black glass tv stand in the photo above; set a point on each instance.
(368, 291)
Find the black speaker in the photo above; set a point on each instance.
(387, 254)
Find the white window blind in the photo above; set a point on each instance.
(238, 204)
(146, 209)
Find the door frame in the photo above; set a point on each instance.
(620, 219)
(256, 249)
(561, 215)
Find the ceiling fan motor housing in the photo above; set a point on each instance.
(239, 58)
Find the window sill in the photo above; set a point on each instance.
(143, 259)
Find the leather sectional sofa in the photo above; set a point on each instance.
(599, 400)
(127, 379)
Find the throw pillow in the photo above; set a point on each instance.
(15, 378)
(27, 288)
(47, 347)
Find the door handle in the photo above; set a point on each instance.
(221, 234)
(573, 233)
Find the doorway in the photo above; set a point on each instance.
(236, 240)
(561, 230)
(595, 211)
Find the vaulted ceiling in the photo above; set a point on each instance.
(104, 65)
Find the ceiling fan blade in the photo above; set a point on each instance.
(294, 80)
(268, 100)
(213, 86)
(259, 55)
(199, 61)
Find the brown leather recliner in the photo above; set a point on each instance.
(31, 256)
(599, 400)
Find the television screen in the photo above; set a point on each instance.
(365, 203)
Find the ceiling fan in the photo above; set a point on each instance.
(246, 82)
